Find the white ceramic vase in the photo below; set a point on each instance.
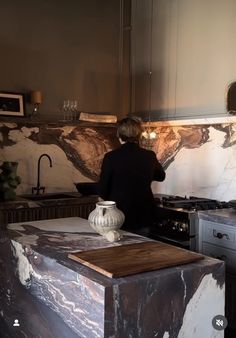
(106, 217)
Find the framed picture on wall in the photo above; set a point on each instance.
(11, 104)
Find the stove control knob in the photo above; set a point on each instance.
(184, 226)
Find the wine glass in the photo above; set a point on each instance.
(66, 108)
(75, 109)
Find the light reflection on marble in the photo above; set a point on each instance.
(224, 216)
(71, 234)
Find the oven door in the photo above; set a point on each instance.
(172, 227)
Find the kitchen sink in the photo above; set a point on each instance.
(47, 197)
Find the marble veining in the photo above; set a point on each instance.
(199, 161)
(170, 318)
(199, 156)
(37, 277)
(24, 268)
(76, 236)
(207, 293)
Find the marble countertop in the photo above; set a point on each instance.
(225, 216)
(56, 238)
(24, 201)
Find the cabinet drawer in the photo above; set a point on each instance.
(226, 255)
(219, 234)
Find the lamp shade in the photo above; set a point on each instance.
(36, 97)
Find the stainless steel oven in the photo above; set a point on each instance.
(176, 220)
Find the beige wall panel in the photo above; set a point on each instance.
(206, 55)
(140, 53)
(192, 56)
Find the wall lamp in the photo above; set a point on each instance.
(36, 99)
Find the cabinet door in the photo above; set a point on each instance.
(228, 256)
(191, 68)
(154, 57)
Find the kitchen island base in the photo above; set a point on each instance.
(53, 296)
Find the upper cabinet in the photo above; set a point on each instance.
(183, 57)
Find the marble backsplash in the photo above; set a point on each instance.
(198, 155)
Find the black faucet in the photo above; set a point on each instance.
(38, 189)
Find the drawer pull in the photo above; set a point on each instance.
(220, 235)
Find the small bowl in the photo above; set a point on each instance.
(87, 188)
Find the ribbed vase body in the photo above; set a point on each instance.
(106, 217)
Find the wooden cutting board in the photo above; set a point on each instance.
(124, 260)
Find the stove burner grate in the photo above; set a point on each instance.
(192, 203)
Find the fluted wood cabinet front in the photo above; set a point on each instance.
(46, 212)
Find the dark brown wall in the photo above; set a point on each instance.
(68, 49)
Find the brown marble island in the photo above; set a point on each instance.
(53, 296)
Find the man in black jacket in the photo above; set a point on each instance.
(126, 177)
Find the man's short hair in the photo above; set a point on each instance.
(129, 129)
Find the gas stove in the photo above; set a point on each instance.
(176, 220)
(190, 203)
